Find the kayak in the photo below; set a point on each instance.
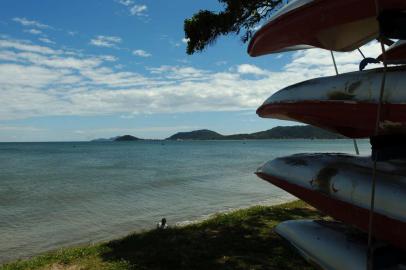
(332, 245)
(346, 103)
(396, 53)
(340, 186)
(328, 24)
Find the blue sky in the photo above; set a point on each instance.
(79, 70)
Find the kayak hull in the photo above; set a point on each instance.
(346, 104)
(340, 186)
(396, 54)
(353, 120)
(355, 26)
(331, 245)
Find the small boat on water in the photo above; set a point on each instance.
(332, 245)
(340, 186)
(328, 24)
(346, 103)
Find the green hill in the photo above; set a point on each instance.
(289, 132)
(202, 134)
(126, 138)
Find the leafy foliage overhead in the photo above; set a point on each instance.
(206, 26)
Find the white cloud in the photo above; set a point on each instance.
(23, 46)
(138, 10)
(46, 40)
(317, 61)
(126, 2)
(134, 9)
(106, 41)
(185, 40)
(141, 53)
(40, 81)
(179, 73)
(21, 128)
(30, 23)
(33, 31)
(109, 58)
(250, 69)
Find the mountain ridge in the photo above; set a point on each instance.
(279, 132)
(126, 138)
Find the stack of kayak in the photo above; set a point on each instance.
(354, 105)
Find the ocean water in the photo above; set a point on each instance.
(59, 194)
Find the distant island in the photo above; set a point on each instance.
(203, 134)
(288, 132)
(124, 138)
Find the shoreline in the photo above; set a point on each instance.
(176, 236)
(177, 224)
(186, 140)
(266, 203)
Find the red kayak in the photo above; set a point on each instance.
(396, 54)
(340, 186)
(346, 104)
(339, 25)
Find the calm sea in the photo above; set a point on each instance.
(60, 194)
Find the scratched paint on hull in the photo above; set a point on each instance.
(339, 185)
(332, 245)
(346, 104)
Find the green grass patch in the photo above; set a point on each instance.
(243, 239)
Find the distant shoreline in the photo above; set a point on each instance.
(280, 132)
(166, 140)
(277, 133)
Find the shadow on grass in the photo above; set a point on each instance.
(240, 240)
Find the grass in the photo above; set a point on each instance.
(243, 239)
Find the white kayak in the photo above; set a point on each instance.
(340, 186)
(333, 246)
(345, 104)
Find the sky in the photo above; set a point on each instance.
(78, 70)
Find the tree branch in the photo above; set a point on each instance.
(204, 27)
